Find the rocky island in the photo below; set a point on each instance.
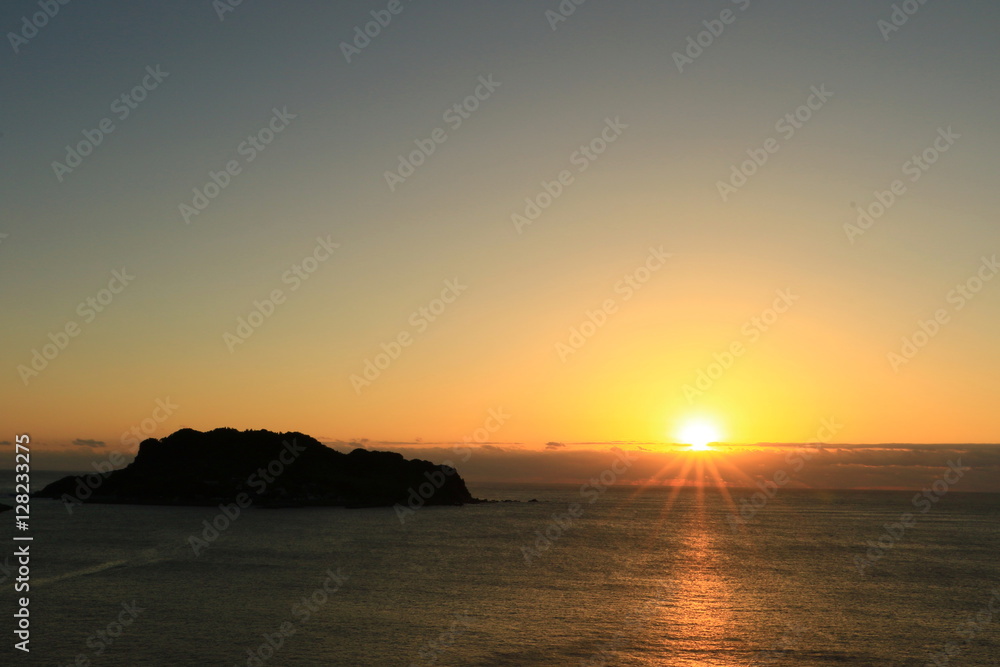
(267, 469)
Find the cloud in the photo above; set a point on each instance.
(828, 467)
(88, 443)
(554, 445)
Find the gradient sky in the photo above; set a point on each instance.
(495, 346)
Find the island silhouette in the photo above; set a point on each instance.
(269, 469)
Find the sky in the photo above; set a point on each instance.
(603, 223)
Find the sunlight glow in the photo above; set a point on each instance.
(698, 434)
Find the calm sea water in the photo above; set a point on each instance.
(644, 578)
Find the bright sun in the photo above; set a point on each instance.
(698, 433)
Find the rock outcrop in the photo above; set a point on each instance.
(190, 467)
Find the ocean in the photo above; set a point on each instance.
(636, 577)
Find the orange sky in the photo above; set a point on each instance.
(565, 253)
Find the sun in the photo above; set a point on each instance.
(698, 433)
